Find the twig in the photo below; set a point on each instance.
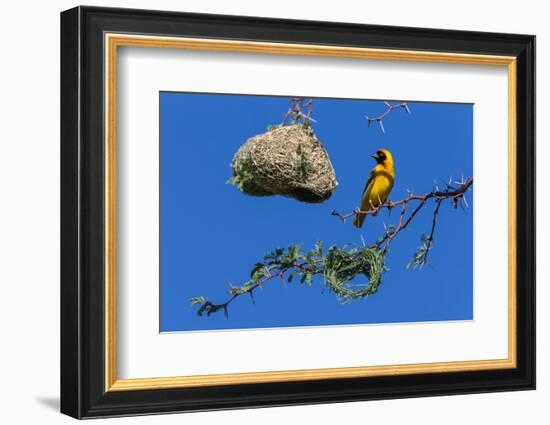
(300, 111)
(454, 194)
(389, 109)
(211, 308)
(430, 239)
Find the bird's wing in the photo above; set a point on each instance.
(368, 187)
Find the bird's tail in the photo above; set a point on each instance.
(358, 220)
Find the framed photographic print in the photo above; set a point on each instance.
(261, 212)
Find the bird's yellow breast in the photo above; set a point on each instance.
(381, 186)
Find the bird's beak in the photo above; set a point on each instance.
(375, 156)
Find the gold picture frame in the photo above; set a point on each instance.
(114, 41)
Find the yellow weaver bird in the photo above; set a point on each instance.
(379, 184)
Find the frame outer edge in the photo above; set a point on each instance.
(81, 394)
(529, 135)
(532, 127)
(70, 349)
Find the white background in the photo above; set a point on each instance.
(29, 230)
(143, 72)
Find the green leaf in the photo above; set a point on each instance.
(198, 300)
(257, 266)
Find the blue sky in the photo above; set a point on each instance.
(211, 234)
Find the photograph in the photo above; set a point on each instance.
(287, 211)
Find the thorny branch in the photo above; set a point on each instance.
(380, 118)
(210, 308)
(340, 266)
(300, 111)
(454, 191)
(337, 266)
(421, 255)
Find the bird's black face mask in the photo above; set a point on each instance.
(379, 157)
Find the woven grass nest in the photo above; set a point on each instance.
(286, 160)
